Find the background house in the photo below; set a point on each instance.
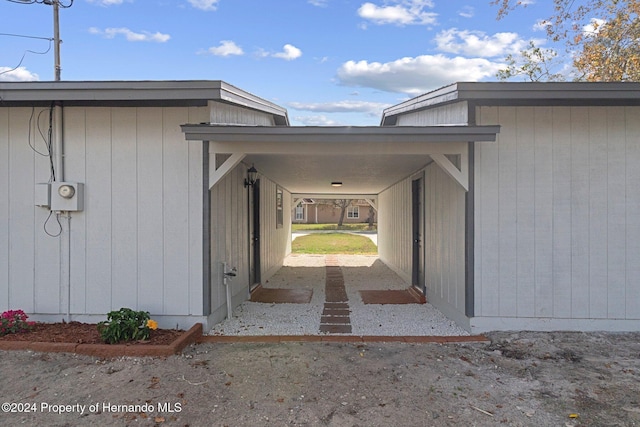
(323, 211)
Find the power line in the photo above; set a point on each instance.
(48, 2)
(25, 54)
(26, 37)
(57, 4)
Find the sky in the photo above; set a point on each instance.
(328, 62)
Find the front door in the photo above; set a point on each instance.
(417, 214)
(255, 236)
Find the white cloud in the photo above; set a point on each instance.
(315, 121)
(20, 74)
(399, 12)
(417, 75)
(289, 53)
(131, 36)
(226, 48)
(479, 44)
(319, 3)
(341, 107)
(467, 12)
(207, 5)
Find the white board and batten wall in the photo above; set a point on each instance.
(230, 238)
(138, 241)
(444, 221)
(443, 240)
(557, 219)
(394, 228)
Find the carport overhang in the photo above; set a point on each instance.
(367, 160)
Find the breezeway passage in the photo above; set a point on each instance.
(361, 272)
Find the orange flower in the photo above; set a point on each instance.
(152, 324)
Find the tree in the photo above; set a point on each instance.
(534, 64)
(342, 204)
(600, 35)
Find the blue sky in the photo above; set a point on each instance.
(329, 62)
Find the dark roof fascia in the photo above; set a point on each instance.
(346, 134)
(522, 94)
(134, 93)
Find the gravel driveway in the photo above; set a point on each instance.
(361, 272)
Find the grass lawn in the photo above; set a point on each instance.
(334, 243)
(359, 227)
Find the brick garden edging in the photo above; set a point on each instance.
(220, 339)
(110, 350)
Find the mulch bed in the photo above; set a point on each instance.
(282, 296)
(84, 333)
(391, 296)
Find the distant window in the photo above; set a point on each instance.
(279, 208)
(299, 213)
(353, 212)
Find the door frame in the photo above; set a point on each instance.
(417, 234)
(254, 237)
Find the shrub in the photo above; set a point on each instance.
(14, 321)
(126, 325)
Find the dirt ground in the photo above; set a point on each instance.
(519, 379)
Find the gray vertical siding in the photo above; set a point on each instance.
(138, 241)
(444, 238)
(229, 221)
(275, 242)
(230, 236)
(229, 239)
(444, 241)
(230, 114)
(394, 228)
(558, 215)
(452, 114)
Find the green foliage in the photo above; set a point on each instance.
(534, 64)
(599, 36)
(333, 243)
(13, 322)
(125, 325)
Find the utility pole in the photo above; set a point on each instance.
(56, 38)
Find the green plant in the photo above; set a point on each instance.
(126, 325)
(14, 321)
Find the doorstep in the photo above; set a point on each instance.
(110, 350)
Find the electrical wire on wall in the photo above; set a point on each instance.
(52, 168)
(47, 138)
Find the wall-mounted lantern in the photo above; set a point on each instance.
(252, 175)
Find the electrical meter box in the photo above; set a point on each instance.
(67, 196)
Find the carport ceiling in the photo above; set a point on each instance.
(367, 160)
(359, 174)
